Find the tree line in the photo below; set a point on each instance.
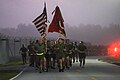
(95, 34)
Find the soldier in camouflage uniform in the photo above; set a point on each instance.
(68, 54)
(40, 51)
(31, 53)
(82, 53)
(60, 54)
(75, 53)
(53, 54)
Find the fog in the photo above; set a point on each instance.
(75, 12)
(95, 34)
(95, 21)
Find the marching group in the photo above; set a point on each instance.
(52, 54)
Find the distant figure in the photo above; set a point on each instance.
(82, 53)
(23, 51)
(76, 55)
(31, 53)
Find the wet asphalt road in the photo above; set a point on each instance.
(94, 70)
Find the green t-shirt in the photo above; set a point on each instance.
(60, 49)
(40, 47)
(69, 47)
(82, 47)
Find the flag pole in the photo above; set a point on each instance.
(45, 39)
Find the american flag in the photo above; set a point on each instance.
(40, 22)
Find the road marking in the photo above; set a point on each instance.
(93, 78)
(17, 75)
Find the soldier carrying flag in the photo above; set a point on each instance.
(40, 23)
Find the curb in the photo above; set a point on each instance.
(108, 62)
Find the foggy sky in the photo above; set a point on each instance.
(75, 12)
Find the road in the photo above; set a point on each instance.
(94, 70)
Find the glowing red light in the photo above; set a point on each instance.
(114, 50)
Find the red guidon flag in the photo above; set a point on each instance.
(57, 24)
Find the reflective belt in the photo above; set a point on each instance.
(39, 54)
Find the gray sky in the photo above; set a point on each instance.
(75, 12)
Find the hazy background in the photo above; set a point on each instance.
(95, 21)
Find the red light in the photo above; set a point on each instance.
(114, 50)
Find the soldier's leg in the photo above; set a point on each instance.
(63, 64)
(70, 62)
(73, 57)
(83, 62)
(54, 62)
(60, 65)
(31, 60)
(23, 59)
(41, 64)
(36, 61)
(80, 62)
(80, 59)
(77, 56)
(67, 62)
(47, 61)
(51, 62)
(84, 56)
(44, 64)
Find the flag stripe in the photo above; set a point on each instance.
(42, 31)
(40, 28)
(40, 23)
(37, 26)
(42, 34)
(40, 19)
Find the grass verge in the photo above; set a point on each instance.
(7, 74)
(11, 63)
(111, 60)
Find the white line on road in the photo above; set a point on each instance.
(17, 75)
(93, 78)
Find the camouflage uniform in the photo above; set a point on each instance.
(69, 54)
(32, 54)
(82, 55)
(60, 55)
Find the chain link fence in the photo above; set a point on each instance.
(10, 46)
